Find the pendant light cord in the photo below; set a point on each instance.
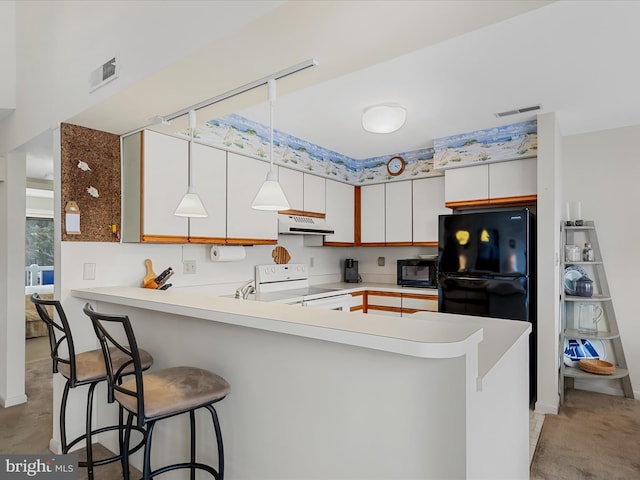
(272, 102)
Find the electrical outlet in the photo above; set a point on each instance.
(89, 271)
(311, 262)
(381, 261)
(189, 267)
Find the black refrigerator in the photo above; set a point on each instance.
(486, 267)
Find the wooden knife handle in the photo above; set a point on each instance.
(149, 279)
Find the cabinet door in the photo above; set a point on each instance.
(209, 179)
(340, 212)
(292, 184)
(428, 203)
(372, 214)
(413, 302)
(384, 303)
(398, 213)
(165, 180)
(244, 224)
(314, 193)
(467, 183)
(516, 178)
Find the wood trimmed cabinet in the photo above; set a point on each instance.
(306, 193)
(395, 304)
(156, 176)
(507, 183)
(340, 208)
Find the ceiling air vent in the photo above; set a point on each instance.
(103, 74)
(518, 110)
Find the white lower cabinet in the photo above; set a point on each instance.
(245, 176)
(384, 303)
(340, 203)
(414, 302)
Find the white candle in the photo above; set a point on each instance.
(579, 217)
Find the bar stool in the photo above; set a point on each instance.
(86, 368)
(158, 395)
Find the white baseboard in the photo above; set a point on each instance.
(13, 401)
(546, 409)
(55, 447)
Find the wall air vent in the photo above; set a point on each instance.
(104, 73)
(518, 110)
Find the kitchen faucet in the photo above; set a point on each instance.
(245, 290)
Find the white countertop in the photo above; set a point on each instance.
(289, 297)
(427, 338)
(425, 334)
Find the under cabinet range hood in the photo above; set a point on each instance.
(303, 225)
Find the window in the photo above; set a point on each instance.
(39, 242)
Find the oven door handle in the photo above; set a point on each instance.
(338, 302)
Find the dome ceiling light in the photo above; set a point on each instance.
(384, 118)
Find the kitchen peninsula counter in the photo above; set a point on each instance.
(378, 397)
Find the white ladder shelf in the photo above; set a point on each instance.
(608, 331)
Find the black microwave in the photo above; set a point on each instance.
(418, 272)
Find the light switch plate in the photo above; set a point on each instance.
(381, 261)
(188, 267)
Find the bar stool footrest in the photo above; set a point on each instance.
(113, 458)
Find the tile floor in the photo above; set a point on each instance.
(535, 426)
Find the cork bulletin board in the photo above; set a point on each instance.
(90, 177)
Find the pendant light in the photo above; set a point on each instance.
(191, 205)
(270, 196)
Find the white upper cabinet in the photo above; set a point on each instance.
(493, 181)
(304, 191)
(340, 207)
(244, 178)
(428, 203)
(467, 183)
(398, 212)
(372, 214)
(292, 184)
(165, 179)
(209, 179)
(314, 193)
(386, 213)
(513, 179)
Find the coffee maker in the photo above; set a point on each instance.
(351, 271)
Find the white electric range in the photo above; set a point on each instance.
(289, 284)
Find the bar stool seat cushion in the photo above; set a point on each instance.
(174, 390)
(90, 365)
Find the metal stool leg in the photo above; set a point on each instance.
(146, 472)
(192, 424)
(88, 432)
(63, 418)
(216, 427)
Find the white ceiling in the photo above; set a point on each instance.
(576, 58)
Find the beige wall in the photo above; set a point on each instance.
(602, 170)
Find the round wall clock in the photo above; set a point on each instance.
(395, 166)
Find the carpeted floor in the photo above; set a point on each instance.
(594, 437)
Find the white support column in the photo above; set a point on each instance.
(548, 276)
(12, 323)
